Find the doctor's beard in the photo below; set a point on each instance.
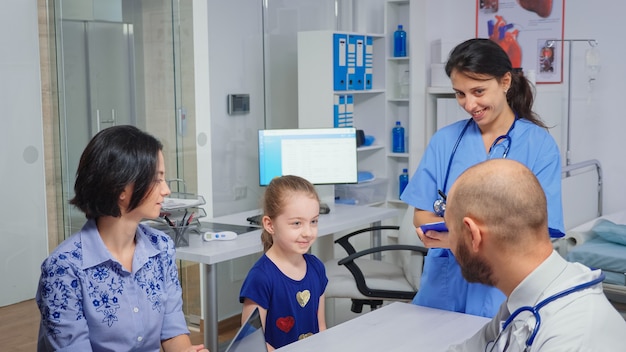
(473, 267)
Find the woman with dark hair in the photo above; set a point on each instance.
(113, 285)
(502, 124)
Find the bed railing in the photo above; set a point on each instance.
(578, 193)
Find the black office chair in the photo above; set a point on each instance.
(371, 282)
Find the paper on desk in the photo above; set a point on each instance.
(180, 203)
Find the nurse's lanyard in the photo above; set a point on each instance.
(440, 204)
(535, 311)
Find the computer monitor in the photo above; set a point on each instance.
(323, 156)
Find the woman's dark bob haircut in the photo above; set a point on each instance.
(116, 157)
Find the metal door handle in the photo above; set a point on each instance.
(111, 121)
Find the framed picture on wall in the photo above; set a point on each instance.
(526, 30)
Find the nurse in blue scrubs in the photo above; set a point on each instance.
(501, 124)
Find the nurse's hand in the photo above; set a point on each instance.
(433, 239)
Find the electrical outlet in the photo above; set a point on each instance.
(240, 192)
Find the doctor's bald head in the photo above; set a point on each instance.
(504, 198)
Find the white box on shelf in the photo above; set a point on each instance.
(438, 77)
(440, 50)
(363, 193)
(449, 111)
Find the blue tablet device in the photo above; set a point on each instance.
(435, 226)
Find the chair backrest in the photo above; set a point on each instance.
(412, 262)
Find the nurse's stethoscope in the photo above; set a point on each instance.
(535, 311)
(440, 204)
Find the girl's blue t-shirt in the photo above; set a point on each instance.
(291, 305)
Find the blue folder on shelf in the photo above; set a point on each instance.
(349, 112)
(359, 82)
(340, 64)
(352, 60)
(338, 110)
(369, 61)
(343, 110)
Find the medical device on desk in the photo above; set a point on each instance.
(535, 311)
(439, 206)
(219, 236)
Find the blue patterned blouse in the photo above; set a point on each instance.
(89, 302)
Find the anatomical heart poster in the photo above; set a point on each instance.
(530, 31)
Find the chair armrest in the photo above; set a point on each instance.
(347, 246)
(391, 247)
(359, 278)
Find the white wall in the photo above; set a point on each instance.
(235, 67)
(598, 122)
(23, 229)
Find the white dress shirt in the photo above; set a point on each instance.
(581, 321)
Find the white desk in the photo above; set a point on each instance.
(341, 218)
(395, 327)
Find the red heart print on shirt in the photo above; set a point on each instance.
(285, 323)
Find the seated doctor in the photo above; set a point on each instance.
(497, 220)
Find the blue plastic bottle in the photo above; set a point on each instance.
(403, 180)
(399, 42)
(397, 138)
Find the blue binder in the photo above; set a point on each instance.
(359, 82)
(369, 61)
(344, 110)
(340, 64)
(349, 115)
(352, 60)
(338, 109)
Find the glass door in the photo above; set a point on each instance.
(120, 62)
(96, 91)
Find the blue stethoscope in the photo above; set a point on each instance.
(535, 310)
(439, 206)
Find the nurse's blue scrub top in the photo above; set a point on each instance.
(442, 285)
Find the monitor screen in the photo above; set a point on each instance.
(320, 155)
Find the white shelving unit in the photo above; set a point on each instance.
(316, 95)
(375, 110)
(397, 108)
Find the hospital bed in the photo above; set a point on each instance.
(592, 238)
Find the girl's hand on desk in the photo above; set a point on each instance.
(433, 239)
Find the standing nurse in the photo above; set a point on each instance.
(499, 100)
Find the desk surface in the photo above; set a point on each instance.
(341, 218)
(395, 327)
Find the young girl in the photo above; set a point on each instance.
(287, 284)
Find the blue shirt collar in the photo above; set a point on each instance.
(98, 253)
